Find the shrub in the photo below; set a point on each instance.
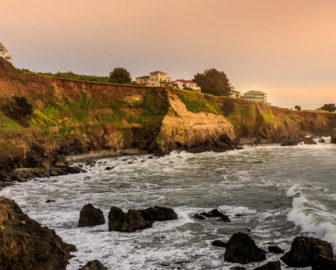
(18, 108)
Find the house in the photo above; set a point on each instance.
(155, 78)
(256, 96)
(4, 53)
(186, 84)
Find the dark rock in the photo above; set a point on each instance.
(305, 251)
(275, 250)
(275, 265)
(323, 263)
(322, 140)
(309, 140)
(50, 201)
(90, 216)
(237, 268)
(26, 245)
(218, 243)
(216, 214)
(333, 136)
(135, 220)
(290, 141)
(108, 168)
(242, 249)
(93, 265)
(200, 217)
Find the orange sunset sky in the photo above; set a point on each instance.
(286, 48)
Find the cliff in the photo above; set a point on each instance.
(72, 117)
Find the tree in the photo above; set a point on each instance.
(297, 107)
(120, 75)
(213, 82)
(328, 107)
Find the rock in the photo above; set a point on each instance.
(197, 216)
(90, 216)
(290, 141)
(275, 265)
(218, 243)
(26, 245)
(135, 220)
(242, 249)
(275, 250)
(322, 140)
(237, 268)
(50, 201)
(93, 265)
(216, 214)
(305, 251)
(333, 136)
(309, 140)
(108, 168)
(323, 263)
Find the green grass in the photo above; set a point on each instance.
(197, 102)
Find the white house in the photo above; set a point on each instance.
(4, 53)
(186, 84)
(155, 78)
(256, 96)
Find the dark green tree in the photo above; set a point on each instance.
(120, 75)
(297, 107)
(213, 82)
(328, 107)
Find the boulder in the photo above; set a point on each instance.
(198, 216)
(218, 243)
(214, 214)
(290, 141)
(275, 265)
(321, 140)
(309, 140)
(333, 136)
(305, 251)
(242, 249)
(90, 216)
(323, 263)
(275, 250)
(26, 245)
(93, 265)
(135, 220)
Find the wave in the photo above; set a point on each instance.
(312, 216)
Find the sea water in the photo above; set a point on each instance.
(273, 193)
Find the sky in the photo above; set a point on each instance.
(286, 48)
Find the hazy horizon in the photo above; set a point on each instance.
(285, 48)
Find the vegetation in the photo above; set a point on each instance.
(18, 108)
(328, 107)
(297, 107)
(213, 82)
(120, 75)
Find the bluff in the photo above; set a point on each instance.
(73, 117)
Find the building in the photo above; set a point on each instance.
(256, 96)
(155, 78)
(186, 84)
(4, 53)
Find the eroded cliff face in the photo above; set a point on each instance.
(182, 129)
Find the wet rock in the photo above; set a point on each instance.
(216, 214)
(237, 268)
(333, 136)
(108, 168)
(93, 265)
(50, 201)
(290, 141)
(242, 249)
(26, 245)
(322, 140)
(275, 250)
(135, 220)
(90, 216)
(323, 263)
(309, 140)
(200, 217)
(275, 265)
(305, 251)
(218, 243)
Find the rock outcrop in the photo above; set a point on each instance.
(242, 249)
(135, 220)
(305, 251)
(90, 216)
(275, 265)
(26, 245)
(93, 265)
(275, 250)
(219, 216)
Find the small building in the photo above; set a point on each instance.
(4, 53)
(155, 78)
(142, 80)
(256, 96)
(186, 84)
